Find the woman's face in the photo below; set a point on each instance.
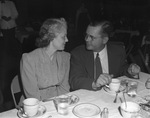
(60, 40)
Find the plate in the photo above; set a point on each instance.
(86, 110)
(41, 111)
(73, 99)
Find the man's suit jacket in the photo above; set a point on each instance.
(81, 73)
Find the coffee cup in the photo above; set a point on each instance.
(129, 109)
(114, 85)
(30, 106)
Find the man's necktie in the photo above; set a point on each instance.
(98, 67)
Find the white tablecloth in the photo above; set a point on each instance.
(100, 98)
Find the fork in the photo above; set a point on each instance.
(115, 100)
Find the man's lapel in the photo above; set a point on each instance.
(111, 59)
(90, 63)
(60, 66)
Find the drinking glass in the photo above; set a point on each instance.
(147, 83)
(61, 104)
(132, 89)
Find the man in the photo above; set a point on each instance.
(112, 58)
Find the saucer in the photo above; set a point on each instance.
(73, 99)
(41, 111)
(107, 89)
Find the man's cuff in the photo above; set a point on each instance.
(94, 86)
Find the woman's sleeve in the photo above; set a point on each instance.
(65, 82)
(29, 80)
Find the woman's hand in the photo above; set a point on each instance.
(134, 70)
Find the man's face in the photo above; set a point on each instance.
(94, 41)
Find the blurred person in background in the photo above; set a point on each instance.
(8, 46)
(8, 16)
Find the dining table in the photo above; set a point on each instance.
(101, 98)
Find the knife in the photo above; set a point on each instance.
(48, 99)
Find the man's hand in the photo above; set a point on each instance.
(103, 79)
(134, 70)
(6, 18)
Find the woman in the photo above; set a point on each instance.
(44, 71)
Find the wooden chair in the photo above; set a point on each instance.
(143, 60)
(129, 49)
(139, 58)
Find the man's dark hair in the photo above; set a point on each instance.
(106, 27)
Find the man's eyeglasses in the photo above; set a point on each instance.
(91, 37)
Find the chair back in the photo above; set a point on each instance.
(15, 89)
(138, 57)
(143, 58)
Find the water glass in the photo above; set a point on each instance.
(132, 89)
(147, 83)
(61, 104)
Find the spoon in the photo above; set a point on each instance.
(48, 99)
(124, 99)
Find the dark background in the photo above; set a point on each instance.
(114, 9)
(129, 14)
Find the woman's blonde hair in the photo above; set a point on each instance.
(49, 30)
